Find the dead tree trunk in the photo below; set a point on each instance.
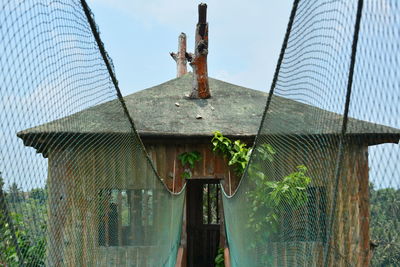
(198, 61)
(180, 57)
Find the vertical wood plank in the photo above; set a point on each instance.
(119, 208)
(57, 206)
(364, 212)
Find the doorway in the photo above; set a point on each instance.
(203, 221)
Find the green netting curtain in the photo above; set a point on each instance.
(74, 192)
(322, 185)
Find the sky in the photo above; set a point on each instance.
(244, 39)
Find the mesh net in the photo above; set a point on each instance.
(322, 187)
(323, 184)
(76, 189)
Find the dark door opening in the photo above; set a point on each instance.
(203, 221)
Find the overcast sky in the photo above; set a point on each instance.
(244, 38)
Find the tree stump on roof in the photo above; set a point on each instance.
(180, 57)
(198, 61)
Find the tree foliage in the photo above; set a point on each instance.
(15, 194)
(385, 226)
(38, 194)
(267, 196)
(22, 227)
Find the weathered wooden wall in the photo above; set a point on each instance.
(211, 166)
(170, 169)
(350, 235)
(350, 238)
(76, 175)
(351, 226)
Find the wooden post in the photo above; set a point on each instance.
(119, 212)
(61, 179)
(180, 57)
(227, 257)
(198, 61)
(180, 257)
(365, 252)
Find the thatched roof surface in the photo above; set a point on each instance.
(163, 110)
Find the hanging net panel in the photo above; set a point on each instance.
(322, 187)
(74, 191)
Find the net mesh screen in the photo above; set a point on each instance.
(323, 184)
(75, 191)
(322, 187)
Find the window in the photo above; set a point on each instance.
(125, 217)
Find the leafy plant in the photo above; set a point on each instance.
(268, 197)
(32, 248)
(219, 259)
(236, 152)
(188, 160)
(221, 143)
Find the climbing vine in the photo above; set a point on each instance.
(237, 152)
(271, 199)
(268, 198)
(188, 160)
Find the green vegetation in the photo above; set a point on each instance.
(219, 259)
(270, 199)
(267, 197)
(32, 247)
(27, 232)
(385, 226)
(188, 159)
(236, 152)
(27, 210)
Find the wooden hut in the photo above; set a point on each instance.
(171, 123)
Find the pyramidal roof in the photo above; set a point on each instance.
(236, 111)
(165, 110)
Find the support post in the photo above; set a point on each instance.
(227, 257)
